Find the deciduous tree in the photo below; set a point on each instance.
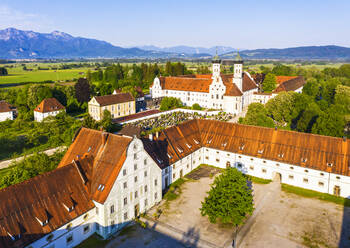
(257, 116)
(229, 200)
(82, 90)
(269, 83)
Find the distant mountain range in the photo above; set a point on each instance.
(306, 52)
(190, 50)
(19, 44)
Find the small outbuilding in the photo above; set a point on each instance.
(48, 107)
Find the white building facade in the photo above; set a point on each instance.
(48, 107)
(6, 111)
(230, 93)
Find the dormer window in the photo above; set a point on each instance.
(209, 141)
(329, 164)
(281, 155)
(42, 222)
(14, 237)
(42, 217)
(224, 144)
(261, 151)
(68, 203)
(101, 187)
(14, 231)
(196, 141)
(188, 145)
(303, 160)
(169, 156)
(159, 161)
(180, 150)
(241, 147)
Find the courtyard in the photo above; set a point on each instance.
(279, 219)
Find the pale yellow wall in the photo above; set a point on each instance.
(117, 110)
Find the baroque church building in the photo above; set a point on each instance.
(228, 92)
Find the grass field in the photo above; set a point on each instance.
(317, 195)
(17, 75)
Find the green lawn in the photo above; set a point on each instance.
(259, 180)
(317, 195)
(17, 75)
(94, 241)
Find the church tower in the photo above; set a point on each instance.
(216, 66)
(238, 72)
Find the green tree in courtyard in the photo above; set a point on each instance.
(196, 106)
(229, 200)
(281, 107)
(257, 116)
(170, 103)
(269, 83)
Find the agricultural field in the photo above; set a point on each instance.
(18, 75)
(256, 67)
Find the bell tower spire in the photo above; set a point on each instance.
(238, 71)
(216, 65)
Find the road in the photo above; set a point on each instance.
(7, 163)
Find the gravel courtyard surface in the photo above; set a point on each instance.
(279, 220)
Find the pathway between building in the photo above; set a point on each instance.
(49, 152)
(186, 239)
(242, 114)
(274, 189)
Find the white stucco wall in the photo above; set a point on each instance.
(38, 116)
(144, 164)
(59, 238)
(6, 116)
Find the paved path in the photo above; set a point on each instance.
(187, 238)
(7, 163)
(242, 114)
(274, 188)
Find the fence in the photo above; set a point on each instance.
(201, 112)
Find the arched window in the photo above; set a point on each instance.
(228, 164)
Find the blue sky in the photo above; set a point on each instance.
(240, 24)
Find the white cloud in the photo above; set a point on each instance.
(10, 17)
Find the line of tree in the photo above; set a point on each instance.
(30, 167)
(322, 108)
(119, 76)
(3, 71)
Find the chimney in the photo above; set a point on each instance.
(150, 136)
(157, 134)
(344, 138)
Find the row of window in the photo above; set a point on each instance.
(264, 161)
(69, 238)
(136, 166)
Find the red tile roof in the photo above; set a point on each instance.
(114, 99)
(49, 105)
(201, 83)
(5, 107)
(318, 150)
(281, 79)
(42, 197)
(109, 153)
(291, 84)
